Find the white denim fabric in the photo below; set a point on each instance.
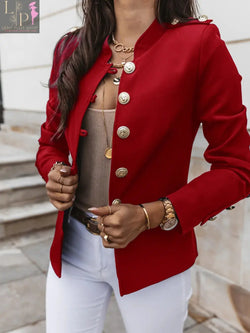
(77, 302)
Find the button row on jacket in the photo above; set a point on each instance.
(123, 131)
(121, 172)
(124, 97)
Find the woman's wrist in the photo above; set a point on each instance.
(155, 212)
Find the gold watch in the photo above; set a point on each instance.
(170, 219)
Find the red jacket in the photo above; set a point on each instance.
(184, 76)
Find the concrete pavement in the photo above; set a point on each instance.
(23, 267)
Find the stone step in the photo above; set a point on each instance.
(15, 162)
(22, 190)
(18, 152)
(19, 139)
(25, 218)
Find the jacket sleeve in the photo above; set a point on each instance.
(51, 149)
(224, 123)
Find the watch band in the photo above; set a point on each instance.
(170, 219)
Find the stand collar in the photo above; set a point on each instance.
(144, 42)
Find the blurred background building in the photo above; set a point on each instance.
(221, 276)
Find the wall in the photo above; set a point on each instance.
(232, 19)
(221, 276)
(26, 63)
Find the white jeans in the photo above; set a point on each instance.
(77, 302)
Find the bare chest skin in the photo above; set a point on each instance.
(107, 87)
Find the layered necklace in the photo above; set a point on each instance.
(118, 48)
(127, 53)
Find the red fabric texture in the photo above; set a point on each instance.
(184, 77)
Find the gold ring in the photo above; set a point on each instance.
(106, 238)
(102, 225)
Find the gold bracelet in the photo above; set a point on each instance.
(146, 214)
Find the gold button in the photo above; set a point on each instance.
(175, 21)
(116, 201)
(203, 18)
(129, 67)
(73, 29)
(121, 172)
(123, 132)
(124, 98)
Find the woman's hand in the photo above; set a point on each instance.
(61, 187)
(123, 225)
(124, 222)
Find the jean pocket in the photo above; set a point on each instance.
(80, 247)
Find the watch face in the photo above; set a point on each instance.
(170, 224)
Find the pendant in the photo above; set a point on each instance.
(116, 81)
(108, 153)
(118, 47)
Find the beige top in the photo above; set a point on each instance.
(93, 166)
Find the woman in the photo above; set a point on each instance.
(128, 91)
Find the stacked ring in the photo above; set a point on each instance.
(106, 238)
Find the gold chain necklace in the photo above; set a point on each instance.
(119, 47)
(123, 62)
(108, 149)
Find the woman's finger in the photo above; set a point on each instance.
(62, 197)
(56, 176)
(64, 168)
(65, 171)
(105, 210)
(103, 220)
(67, 188)
(115, 233)
(61, 188)
(107, 241)
(54, 187)
(60, 205)
(112, 237)
(100, 225)
(112, 245)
